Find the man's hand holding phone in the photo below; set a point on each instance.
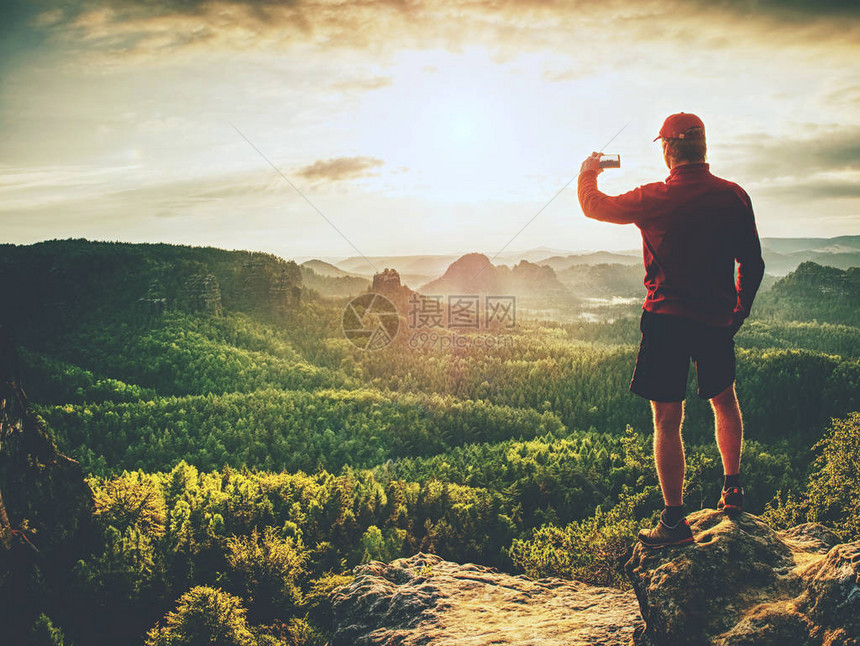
(592, 162)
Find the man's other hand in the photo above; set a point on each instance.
(592, 162)
(737, 321)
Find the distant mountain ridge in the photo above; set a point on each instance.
(813, 292)
(326, 269)
(793, 245)
(331, 281)
(425, 265)
(840, 256)
(74, 279)
(560, 263)
(782, 255)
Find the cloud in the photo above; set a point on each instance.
(847, 96)
(373, 83)
(819, 163)
(791, 7)
(134, 30)
(823, 150)
(339, 168)
(816, 190)
(27, 188)
(24, 189)
(308, 73)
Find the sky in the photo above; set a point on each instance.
(333, 128)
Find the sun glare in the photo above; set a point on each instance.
(454, 125)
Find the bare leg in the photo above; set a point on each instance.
(669, 450)
(729, 429)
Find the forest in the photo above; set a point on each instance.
(244, 455)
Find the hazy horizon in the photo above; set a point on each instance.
(495, 256)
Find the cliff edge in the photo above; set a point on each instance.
(743, 584)
(426, 600)
(740, 584)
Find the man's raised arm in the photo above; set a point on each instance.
(620, 209)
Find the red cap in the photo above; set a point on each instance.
(678, 126)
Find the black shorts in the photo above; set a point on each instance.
(668, 343)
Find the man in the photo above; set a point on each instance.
(694, 227)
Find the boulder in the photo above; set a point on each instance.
(743, 584)
(424, 599)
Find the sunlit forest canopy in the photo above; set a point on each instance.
(244, 455)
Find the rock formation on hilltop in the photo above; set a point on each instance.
(272, 282)
(535, 288)
(387, 283)
(740, 584)
(426, 600)
(202, 293)
(527, 278)
(472, 273)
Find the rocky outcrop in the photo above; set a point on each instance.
(474, 273)
(426, 600)
(527, 287)
(278, 284)
(743, 584)
(201, 293)
(527, 276)
(469, 274)
(387, 282)
(154, 302)
(739, 584)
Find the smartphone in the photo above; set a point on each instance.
(610, 161)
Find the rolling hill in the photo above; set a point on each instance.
(781, 255)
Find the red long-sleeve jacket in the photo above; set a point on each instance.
(694, 227)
